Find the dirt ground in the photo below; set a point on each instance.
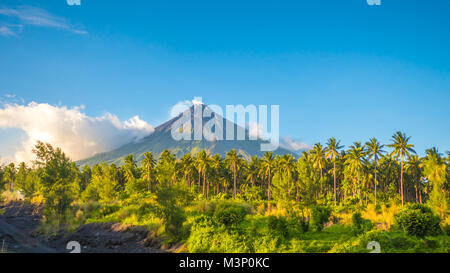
(18, 234)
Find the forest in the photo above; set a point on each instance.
(330, 198)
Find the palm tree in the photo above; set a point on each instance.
(267, 166)
(188, 167)
(202, 165)
(318, 154)
(216, 167)
(332, 152)
(401, 149)
(413, 167)
(232, 160)
(252, 170)
(435, 170)
(129, 168)
(355, 161)
(10, 174)
(287, 168)
(374, 151)
(149, 163)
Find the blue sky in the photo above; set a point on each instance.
(336, 68)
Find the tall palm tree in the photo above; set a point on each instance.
(188, 167)
(216, 167)
(129, 168)
(435, 170)
(267, 166)
(318, 154)
(148, 163)
(252, 170)
(414, 169)
(232, 160)
(202, 165)
(10, 174)
(374, 151)
(355, 162)
(287, 168)
(401, 149)
(332, 152)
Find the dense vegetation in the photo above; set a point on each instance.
(329, 199)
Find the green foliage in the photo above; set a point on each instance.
(278, 227)
(170, 210)
(229, 214)
(319, 216)
(158, 194)
(418, 220)
(359, 224)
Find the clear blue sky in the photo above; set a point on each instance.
(336, 68)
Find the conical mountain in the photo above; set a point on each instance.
(161, 139)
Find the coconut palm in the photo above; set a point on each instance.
(374, 151)
(188, 168)
(414, 169)
(267, 165)
(318, 158)
(216, 165)
(252, 170)
(355, 162)
(287, 168)
(148, 163)
(332, 153)
(401, 149)
(435, 170)
(202, 165)
(10, 174)
(232, 160)
(129, 168)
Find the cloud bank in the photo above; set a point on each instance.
(78, 135)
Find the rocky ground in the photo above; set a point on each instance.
(18, 233)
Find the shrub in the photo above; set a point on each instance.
(359, 224)
(320, 216)
(229, 214)
(418, 220)
(278, 227)
(299, 224)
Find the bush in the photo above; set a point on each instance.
(229, 214)
(278, 227)
(418, 220)
(320, 216)
(359, 224)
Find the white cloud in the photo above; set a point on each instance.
(256, 130)
(78, 135)
(28, 15)
(6, 31)
(296, 146)
(179, 108)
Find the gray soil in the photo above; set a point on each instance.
(19, 224)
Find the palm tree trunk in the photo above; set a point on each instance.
(204, 183)
(401, 177)
(207, 188)
(420, 195)
(199, 180)
(334, 177)
(234, 182)
(375, 186)
(268, 187)
(417, 196)
(148, 177)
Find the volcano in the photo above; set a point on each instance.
(161, 139)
